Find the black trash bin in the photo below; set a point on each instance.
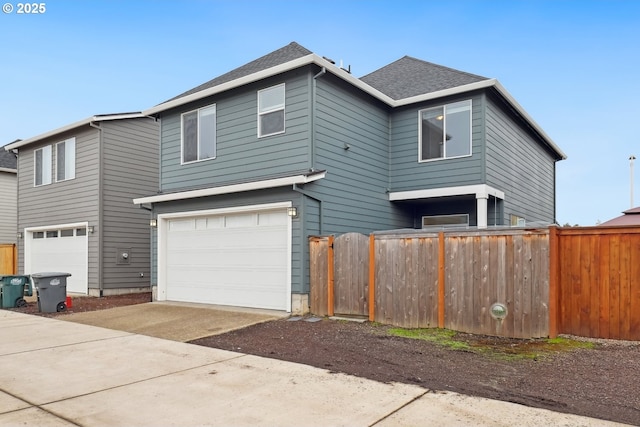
(51, 290)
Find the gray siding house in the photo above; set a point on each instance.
(75, 186)
(8, 197)
(290, 145)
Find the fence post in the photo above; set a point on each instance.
(553, 281)
(372, 277)
(441, 279)
(330, 301)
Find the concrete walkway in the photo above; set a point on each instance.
(59, 373)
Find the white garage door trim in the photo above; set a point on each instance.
(163, 222)
(79, 281)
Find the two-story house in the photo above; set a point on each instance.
(8, 196)
(291, 145)
(75, 215)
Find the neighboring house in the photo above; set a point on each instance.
(628, 218)
(8, 196)
(290, 145)
(75, 186)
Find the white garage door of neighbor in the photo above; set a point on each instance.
(239, 259)
(59, 250)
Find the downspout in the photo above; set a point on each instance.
(313, 117)
(321, 206)
(100, 205)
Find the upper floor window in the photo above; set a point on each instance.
(271, 111)
(445, 131)
(42, 166)
(66, 160)
(199, 134)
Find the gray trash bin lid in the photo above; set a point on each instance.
(50, 274)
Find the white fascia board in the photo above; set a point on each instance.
(7, 170)
(234, 188)
(529, 119)
(445, 92)
(72, 126)
(480, 191)
(278, 69)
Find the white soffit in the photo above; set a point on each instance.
(480, 191)
(234, 188)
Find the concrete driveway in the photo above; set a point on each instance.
(60, 373)
(174, 321)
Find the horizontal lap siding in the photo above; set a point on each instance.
(8, 207)
(75, 200)
(354, 192)
(241, 155)
(518, 165)
(409, 174)
(130, 170)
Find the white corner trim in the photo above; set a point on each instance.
(480, 191)
(235, 188)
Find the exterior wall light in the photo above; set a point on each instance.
(90, 229)
(19, 235)
(292, 212)
(153, 223)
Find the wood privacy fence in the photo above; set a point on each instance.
(582, 281)
(8, 259)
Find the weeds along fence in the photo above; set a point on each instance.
(8, 259)
(550, 281)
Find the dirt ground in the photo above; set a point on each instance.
(601, 382)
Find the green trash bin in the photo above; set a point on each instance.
(51, 289)
(14, 288)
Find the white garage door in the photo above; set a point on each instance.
(236, 258)
(63, 249)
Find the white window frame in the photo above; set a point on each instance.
(69, 160)
(199, 112)
(262, 111)
(445, 224)
(517, 221)
(444, 118)
(45, 171)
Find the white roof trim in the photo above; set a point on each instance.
(97, 118)
(234, 188)
(481, 191)
(278, 69)
(315, 59)
(8, 170)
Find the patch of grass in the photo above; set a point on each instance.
(495, 347)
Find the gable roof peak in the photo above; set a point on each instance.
(409, 76)
(279, 56)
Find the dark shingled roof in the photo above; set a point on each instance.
(8, 160)
(285, 54)
(630, 217)
(409, 77)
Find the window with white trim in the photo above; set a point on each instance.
(42, 166)
(517, 221)
(445, 221)
(199, 134)
(445, 131)
(271, 111)
(66, 160)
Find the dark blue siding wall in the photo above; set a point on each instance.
(409, 174)
(351, 144)
(518, 165)
(241, 155)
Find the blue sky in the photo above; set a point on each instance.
(572, 65)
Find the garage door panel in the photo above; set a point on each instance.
(68, 254)
(238, 259)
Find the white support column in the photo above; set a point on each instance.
(481, 210)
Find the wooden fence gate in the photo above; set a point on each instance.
(8, 259)
(351, 275)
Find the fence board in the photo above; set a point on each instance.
(318, 269)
